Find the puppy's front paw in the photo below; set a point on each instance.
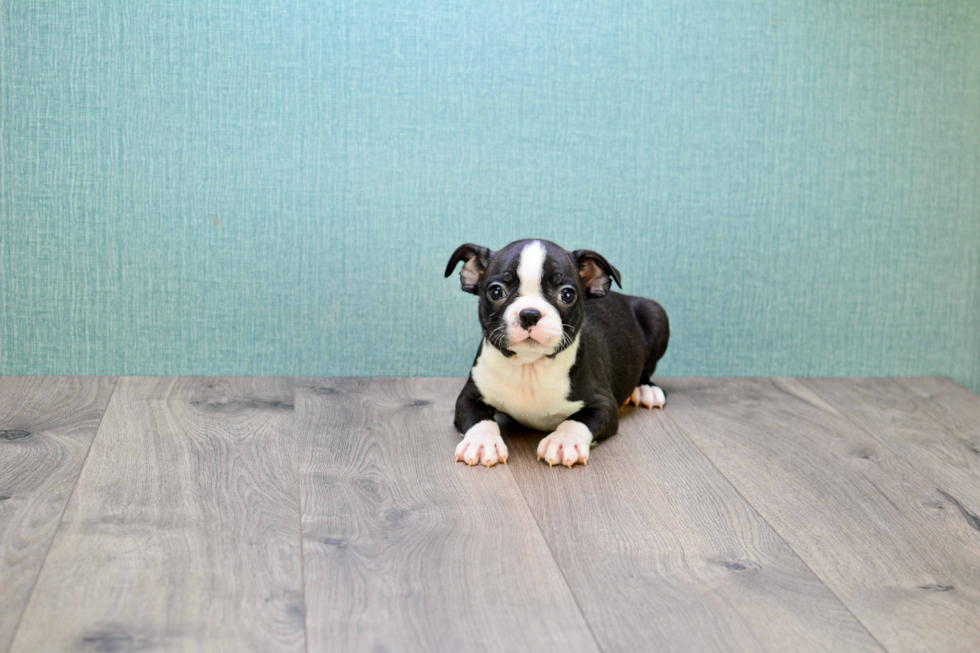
(482, 444)
(569, 444)
(647, 395)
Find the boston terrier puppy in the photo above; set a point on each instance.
(560, 352)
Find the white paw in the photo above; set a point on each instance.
(482, 444)
(647, 395)
(569, 444)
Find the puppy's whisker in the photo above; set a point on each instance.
(496, 337)
(566, 339)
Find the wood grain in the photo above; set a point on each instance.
(47, 425)
(663, 554)
(955, 407)
(406, 550)
(892, 547)
(183, 531)
(751, 514)
(937, 430)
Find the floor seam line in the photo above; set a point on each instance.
(81, 469)
(299, 497)
(796, 553)
(551, 552)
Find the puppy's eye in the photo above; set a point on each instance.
(567, 295)
(496, 292)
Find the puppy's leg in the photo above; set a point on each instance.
(653, 324)
(571, 441)
(481, 434)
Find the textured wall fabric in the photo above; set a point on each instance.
(232, 187)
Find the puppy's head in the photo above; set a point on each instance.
(532, 293)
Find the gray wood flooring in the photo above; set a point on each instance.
(280, 514)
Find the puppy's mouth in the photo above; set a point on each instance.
(527, 339)
(526, 342)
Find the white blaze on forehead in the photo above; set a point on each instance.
(531, 267)
(548, 330)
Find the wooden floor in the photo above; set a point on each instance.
(279, 514)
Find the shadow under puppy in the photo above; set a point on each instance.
(560, 352)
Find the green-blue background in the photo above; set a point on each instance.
(274, 187)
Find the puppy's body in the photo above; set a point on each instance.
(560, 352)
(538, 395)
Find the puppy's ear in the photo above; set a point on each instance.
(477, 258)
(596, 272)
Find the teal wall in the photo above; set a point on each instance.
(266, 187)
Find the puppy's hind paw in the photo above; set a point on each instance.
(649, 396)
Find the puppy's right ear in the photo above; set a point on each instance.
(477, 258)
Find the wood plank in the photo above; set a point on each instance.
(183, 531)
(406, 550)
(956, 407)
(663, 554)
(933, 429)
(47, 425)
(872, 527)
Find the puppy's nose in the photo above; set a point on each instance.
(529, 317)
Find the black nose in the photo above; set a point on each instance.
(529, 317)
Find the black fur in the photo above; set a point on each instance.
(622, 337)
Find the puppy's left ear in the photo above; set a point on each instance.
(596, 272)
(477, 258)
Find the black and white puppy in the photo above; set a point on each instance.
(560, 352)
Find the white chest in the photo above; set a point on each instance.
(535, 394)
